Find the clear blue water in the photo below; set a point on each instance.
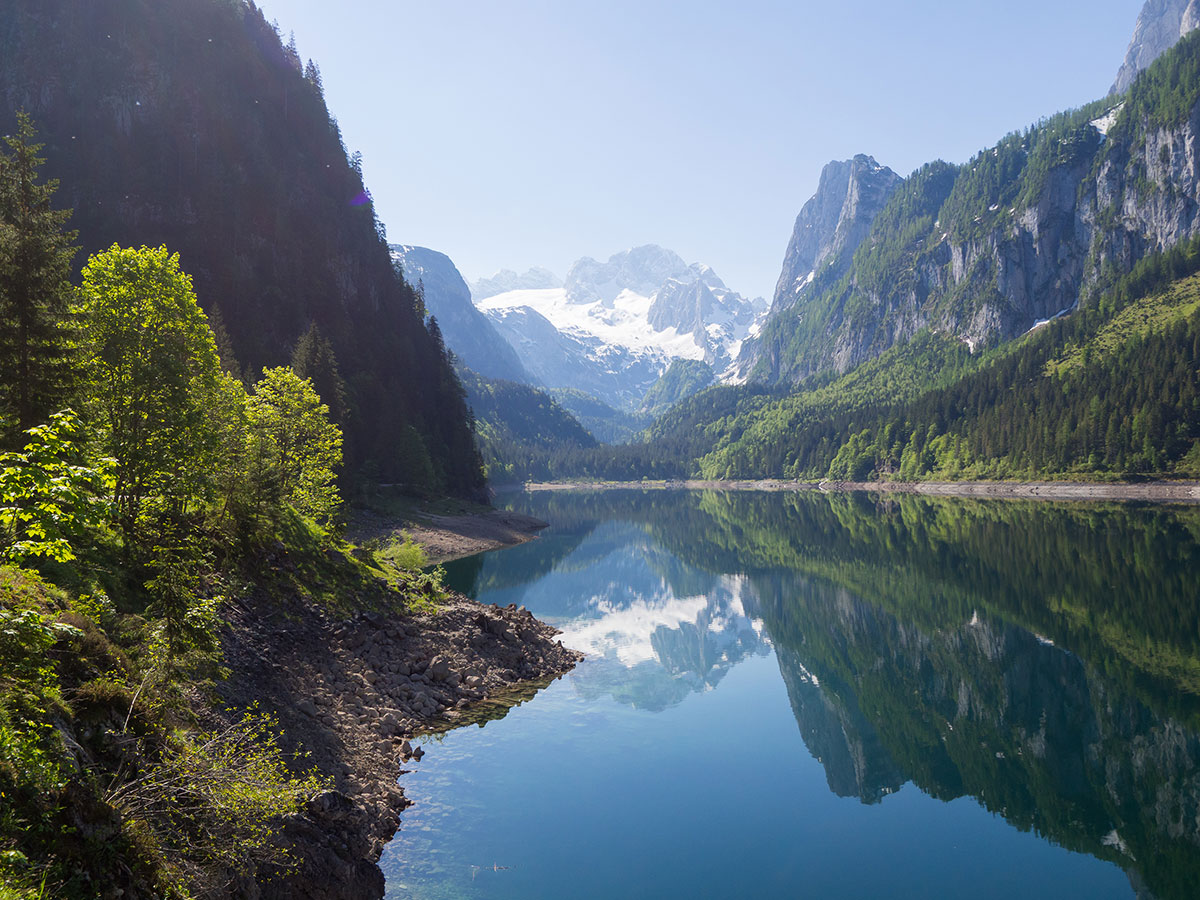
(771, 708)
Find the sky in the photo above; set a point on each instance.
(518, 133)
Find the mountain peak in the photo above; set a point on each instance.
(535, 279)
(1159, 27)
(834, 221)
(641, 270)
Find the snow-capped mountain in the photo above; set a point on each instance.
(621, 323)
(505, 280)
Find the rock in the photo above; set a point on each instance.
(439, 669)
(307, 707)
(417, 753)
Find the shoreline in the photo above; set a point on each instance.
(1152, 491)
(446, 537)
(352, 691)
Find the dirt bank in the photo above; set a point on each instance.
(1156, 491)
(353, 692)
(449, 536)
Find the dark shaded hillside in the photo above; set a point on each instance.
(188, 123)
(518, 423)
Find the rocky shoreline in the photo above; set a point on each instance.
(352, 693)
(1153, 491)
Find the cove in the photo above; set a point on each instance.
(808, 695)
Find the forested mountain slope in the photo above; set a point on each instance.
(1023, 232)
(189, 123)
(515, 421)
(468, 333)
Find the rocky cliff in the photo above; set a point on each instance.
(1018, 235)
(465, 329)
(1160, 24)
(833, 223)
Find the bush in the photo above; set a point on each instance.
(217, 801)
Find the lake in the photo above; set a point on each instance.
(826, 696)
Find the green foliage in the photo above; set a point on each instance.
(407, 567)
(25, 637)
(515, 422)
(682, 379)
(217, 799)
(49, 496)
(299, 447)
(313, 359)
(38, 370)
(232, 158)
(154, 371)
(1163, 95)
(605, 423)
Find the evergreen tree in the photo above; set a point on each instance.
(313, 358)
(37, 363)
(229, 362)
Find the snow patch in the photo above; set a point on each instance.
(1106, 121)
(1058, 315)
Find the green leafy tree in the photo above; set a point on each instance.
(49, 494)
(37, 363)
(299, 450)
(154, 373)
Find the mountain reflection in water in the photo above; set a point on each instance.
(1043, 659)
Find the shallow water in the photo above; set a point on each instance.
(811, 696)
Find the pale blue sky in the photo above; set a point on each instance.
(515, 133)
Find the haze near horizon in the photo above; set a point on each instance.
(531, 133)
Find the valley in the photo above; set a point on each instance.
(334, 567)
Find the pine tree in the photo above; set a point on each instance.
(229, 362)
(314, 359)
(38, 368)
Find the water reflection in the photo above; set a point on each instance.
(1042, 659)
(655, 629)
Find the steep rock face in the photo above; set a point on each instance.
(834, 222)
(701, 305)
(535, 279)
(1160, 24)
(1020, 234)
(830, 227)
(465, 329)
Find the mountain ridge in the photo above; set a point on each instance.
(613, 328)
(1018, 235)
(1160, 24)
(467, 332)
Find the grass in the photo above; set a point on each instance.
(1150, 315)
